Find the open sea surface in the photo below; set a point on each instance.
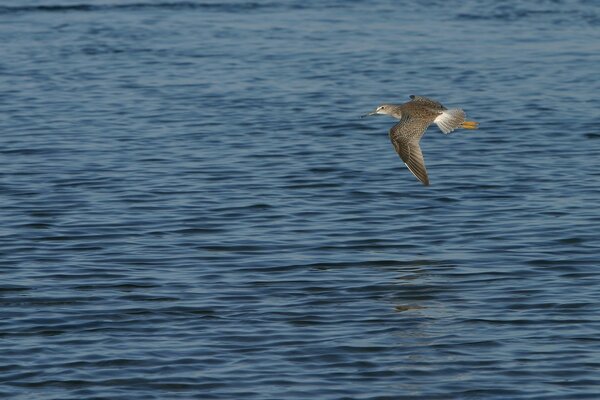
(192, 208)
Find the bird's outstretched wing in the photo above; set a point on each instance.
(405, 137)
(427, 102)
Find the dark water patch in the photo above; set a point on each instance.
(592, 135)
(137, 6)
(11, 288)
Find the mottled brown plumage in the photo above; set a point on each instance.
(415, 116)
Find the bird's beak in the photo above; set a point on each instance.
(369, 114)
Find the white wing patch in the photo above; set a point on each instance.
(449, 120)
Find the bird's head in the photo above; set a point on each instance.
(384, 109)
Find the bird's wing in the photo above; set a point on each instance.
(405, 137)
(427, 102)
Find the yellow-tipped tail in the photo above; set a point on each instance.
(470, 125)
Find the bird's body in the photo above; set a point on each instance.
(415, 117)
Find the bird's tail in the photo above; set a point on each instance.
(470, 125)
(449, 120)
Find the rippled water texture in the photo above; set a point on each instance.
(191, 206)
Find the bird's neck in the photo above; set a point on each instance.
(396, 112)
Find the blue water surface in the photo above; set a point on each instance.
(192, 208)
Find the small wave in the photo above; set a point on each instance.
(179, 5)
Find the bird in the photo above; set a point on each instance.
(415, 117)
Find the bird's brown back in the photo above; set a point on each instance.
(420, 110)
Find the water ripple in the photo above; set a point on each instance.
(193, 208)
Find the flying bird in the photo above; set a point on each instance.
(415, 117)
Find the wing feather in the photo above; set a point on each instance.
(449, 120)
(405, 137)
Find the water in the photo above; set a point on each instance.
(192, 207)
